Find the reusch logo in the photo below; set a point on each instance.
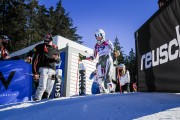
(8, 81)
(164, 53)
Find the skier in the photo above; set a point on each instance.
(46, 55)
(4, 54)
(104, 49)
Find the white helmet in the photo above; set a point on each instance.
(100, 33)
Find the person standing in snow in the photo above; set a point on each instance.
(104, 48)
(4, 54)
(115, 64)
(127, 85)
(46, 55)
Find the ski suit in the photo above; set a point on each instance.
(105, 63)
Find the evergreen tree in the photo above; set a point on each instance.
(26, 22)
(2, 15)
(42, 23)
(63, 24)
(132, 65)
(32, 25)
(14, 22)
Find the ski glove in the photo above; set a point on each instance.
(92, 75)
(82, 57)
(36, 77)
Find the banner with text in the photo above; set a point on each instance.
(15, 81)
(59, 83)
(158, 50)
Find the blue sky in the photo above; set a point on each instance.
(119, 18)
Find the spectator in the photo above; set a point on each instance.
(4, 54)
(134, 86)
(127, 84)
(46, 55)
(116, 54)
(123, 79)
(115, 64)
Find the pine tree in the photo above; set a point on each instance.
(2, 16)
(42, 24)
(26, 22)
(14, 22)
(63, 24)
(132, 65)
(32, 25)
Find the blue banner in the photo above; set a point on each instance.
(62, 67)
(15, 81)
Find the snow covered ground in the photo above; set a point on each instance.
(138, 106)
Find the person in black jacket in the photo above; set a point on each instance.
(46, 55)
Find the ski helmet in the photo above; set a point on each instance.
(100, 34)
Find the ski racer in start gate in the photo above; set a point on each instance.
(104, 49)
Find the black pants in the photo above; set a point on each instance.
(125, 87)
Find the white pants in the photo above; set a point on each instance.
(105, 68)
(45, 82)
(104, 73)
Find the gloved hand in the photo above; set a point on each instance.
(92, 75)
(81, 57)
(36, 77)
(134, 87)
(55, 56)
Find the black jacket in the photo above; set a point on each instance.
(43, 57)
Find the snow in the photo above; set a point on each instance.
(137, 106)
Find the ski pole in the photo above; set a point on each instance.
(77, 74)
